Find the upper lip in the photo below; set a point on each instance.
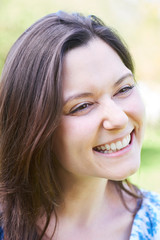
(115, 140)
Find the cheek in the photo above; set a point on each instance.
(140, 108)
(73, 141)
(74, 134)
(79, 128)
(136, 108)
(136, 113)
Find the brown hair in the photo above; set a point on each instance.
(30, 110)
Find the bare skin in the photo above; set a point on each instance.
(108, 108)
(94, 213)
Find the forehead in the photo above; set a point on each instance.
(90, 64)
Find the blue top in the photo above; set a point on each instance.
(146, 224)
(1, 234)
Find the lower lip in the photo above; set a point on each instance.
(120, 152)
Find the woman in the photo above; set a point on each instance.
(72, 124)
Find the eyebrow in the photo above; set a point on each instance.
(88, 94)
(78, 96)
(123, 78)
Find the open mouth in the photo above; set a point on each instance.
(115, 146)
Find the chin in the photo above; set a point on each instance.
(120, 176)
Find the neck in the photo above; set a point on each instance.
(83, 200)
(88, 202)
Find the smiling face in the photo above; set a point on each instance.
(101, 128)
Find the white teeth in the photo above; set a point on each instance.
(129, 138)
(124, 142)
(107, 146)
(103, 147)
(113, 147)
(119, 145)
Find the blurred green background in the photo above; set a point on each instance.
(138, 21)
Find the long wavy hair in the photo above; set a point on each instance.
(30, 110)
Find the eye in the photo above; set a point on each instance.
(84, 107)
(125, 90)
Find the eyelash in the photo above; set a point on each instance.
(84, 106)
(81, 107)
(125, 89)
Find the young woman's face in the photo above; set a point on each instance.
(101, 129)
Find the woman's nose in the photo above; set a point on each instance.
(115, 117)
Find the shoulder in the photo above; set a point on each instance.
(152, 196)
(151, 207)
(146, 224)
